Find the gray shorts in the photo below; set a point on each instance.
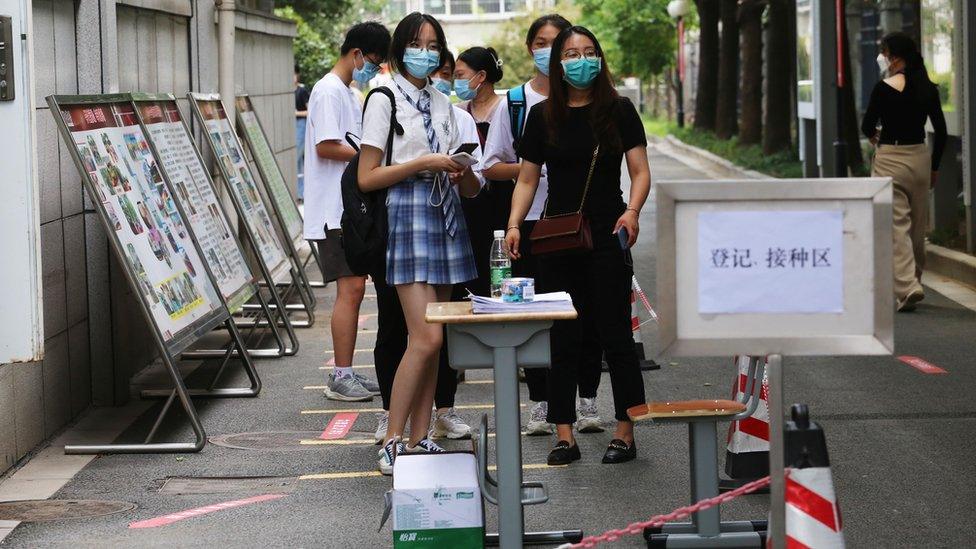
(332, 259)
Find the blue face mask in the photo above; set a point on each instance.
(462, 87)
(541, 58)
(442, 85)
(421, 63)
(580, 73)
(367, 73)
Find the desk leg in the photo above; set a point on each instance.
(508, 449)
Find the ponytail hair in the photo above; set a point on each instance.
(899, 44)
(483, 59)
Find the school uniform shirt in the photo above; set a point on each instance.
(333, 110)
(500, 148)
(413, 143)
(469, 134)
(570, 157)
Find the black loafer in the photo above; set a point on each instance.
(619, 452)
(563, 453)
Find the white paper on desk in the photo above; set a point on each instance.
(771, 262)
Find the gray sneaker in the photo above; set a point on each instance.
(588, 417)
(346, 389)
(537, 424)
(368, 384)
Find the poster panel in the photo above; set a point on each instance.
(152, 239)
(195, 192)
(270, 172)
(230, 158)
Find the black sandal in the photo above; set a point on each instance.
(619, 452)
(563, 453)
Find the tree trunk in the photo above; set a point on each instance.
(750, 25)
(707, 64)
(726, 109)
(852, 133)
(779, 61)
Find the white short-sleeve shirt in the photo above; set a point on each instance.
(468, 130)
(500, 149)
(413, 143)
(333, 110)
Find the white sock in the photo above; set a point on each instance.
(343, 371)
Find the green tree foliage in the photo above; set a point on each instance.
(638, 37)
(313, 55)
(322, 25)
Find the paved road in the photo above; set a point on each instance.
(901, 443)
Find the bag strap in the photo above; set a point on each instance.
(516, 113)
(395, 126)
(586, 189)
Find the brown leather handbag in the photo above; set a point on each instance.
(564, 233)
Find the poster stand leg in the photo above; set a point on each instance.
(278, 350)
(229, 392)
(777, 484)
(148, 446)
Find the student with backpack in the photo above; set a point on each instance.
(428, 249)
(501, 167)
(333, 113)
(392, 336)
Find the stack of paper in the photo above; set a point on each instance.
(542, 303)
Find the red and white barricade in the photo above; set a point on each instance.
(812, 514)
(747, 453)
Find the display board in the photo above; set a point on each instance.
(265, 160)
(237, 175)
(154, 243)
(194, 190)
(760, 267)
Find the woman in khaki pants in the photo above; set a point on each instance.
(902, 103)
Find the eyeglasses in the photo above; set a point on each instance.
(573, 55)
(433, 46)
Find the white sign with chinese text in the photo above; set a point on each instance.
(770, 262)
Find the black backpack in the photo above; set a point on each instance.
(363, 219)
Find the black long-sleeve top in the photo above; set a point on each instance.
(903, 117)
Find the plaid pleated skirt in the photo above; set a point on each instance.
(418, 247)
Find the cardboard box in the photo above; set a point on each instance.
(437, 501)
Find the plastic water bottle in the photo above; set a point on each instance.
(501, 264)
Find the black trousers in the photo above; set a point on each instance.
(591, 366)
(599, 282)
(391, 343)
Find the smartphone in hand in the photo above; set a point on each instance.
(623, 237)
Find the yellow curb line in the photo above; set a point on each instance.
(354, 351)
(322, 387)
(352, 441)
(366, 474)
(355, 366)
(478, 381)
(368, 410)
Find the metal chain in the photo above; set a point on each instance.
(637, 528)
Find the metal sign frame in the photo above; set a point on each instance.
(180, 340)
(298, 284)
(280, 348)
(876, 192)
(298, 241)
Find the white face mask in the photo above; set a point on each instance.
(883, 63)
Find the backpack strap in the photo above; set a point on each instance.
(516, 113)
(395, 126)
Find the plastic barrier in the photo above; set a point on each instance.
(747, 452)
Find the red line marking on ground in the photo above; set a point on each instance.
(921, 365)
(339, 426)
(191, 513)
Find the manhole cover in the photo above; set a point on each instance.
(282, 441)
(218, 485)
(44, 510)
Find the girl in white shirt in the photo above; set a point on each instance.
(428, 249)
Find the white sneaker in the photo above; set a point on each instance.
(450, 425)
(382, 423)
(588, 417)
(538, 425)
(425, 446)
(388, 455)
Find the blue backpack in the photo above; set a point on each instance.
(516, 113)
